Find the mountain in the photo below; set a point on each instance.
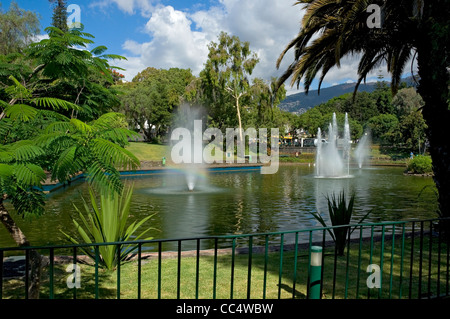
(300, 102)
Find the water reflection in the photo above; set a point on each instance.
(244, 202)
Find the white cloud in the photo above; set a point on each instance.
(172, 42)
(179, 39)
(268, 26)
(39, 37)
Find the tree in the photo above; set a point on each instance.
(412, 128)
(63, 68)
(17, 29)
(41, 135)
(384, 128)
(262, 102)
(406, 101)
(72, 147)
(226, 72)
(411, 132)
(149, 101)
(383, 98)
(59, 18)
(311, 120)
(339, 28)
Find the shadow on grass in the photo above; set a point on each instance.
(406, 271)
(15, 287)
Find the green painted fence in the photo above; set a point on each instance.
(392, 260)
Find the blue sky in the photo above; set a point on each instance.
(175, 33)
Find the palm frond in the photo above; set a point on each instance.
(17, 90)
(114, 57)
(119, 135)
(21, 112)
(339, 28)
(113, 155)
(26, 151)
(56, 141)
(29, 174)
(104, 176)
(49, 114)
(67, 164)
(6, 170)
(59, 126)
(81, 126)
(54, 103)
(99, 50)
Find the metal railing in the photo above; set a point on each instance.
(396, 260)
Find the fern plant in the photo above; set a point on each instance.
(96, 148)
(42, 135)
(107, 222)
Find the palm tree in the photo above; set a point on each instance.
(331, 30)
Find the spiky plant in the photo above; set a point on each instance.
(108, 222)
(340, 214)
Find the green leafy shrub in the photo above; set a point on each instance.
(420, 165)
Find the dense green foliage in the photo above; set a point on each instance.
(223, 88)
(151, 99)
(50, 126)
(394, 121)
(59, 18)
(420, 165)
(17, 28)
(56, 122)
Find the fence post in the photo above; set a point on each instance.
(316, 272)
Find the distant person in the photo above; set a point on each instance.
(411, 155)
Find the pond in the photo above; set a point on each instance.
(243, 202)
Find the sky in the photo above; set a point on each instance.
(176, 33)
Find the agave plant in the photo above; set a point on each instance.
(108, 223)
(340, 215)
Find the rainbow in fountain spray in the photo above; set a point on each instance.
(333, 161)
(193, 171)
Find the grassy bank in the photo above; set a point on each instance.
(379, 155)
(147, 152)
(286, 275)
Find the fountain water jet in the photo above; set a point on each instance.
(329, 162)
(194, 171)
(362, 150)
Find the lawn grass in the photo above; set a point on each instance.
(147, 151)
(272, 276)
